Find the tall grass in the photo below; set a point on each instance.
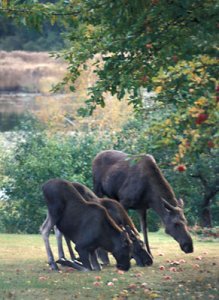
(29, 71)
(37, 72)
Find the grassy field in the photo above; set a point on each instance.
(24, 273)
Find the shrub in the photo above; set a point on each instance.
(35, 159)
(205, 232)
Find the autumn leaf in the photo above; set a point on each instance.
(201, 101)
(4, 3)
(158, 89)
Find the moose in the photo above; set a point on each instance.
(87, 224)
(119, 215)
(138, 183)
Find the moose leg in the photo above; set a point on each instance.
(59, 243)
(84, 257)
(45, 231)
(74, 263)
(71, 252)
(94, 261)
(62, 260)
(103, 255)
(143, 222)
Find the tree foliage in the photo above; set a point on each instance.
(169, 47)
(34, 159)
(165, 47)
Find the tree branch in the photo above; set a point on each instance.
(29, 11)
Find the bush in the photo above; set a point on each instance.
(35, 159)
(20, 216)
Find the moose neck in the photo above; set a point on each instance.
(160, 210)
(159, 189)
(157, 204)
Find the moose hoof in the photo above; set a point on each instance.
(54, 267)
(79, 266)
(104, 264)
(97, 268)
(72, 264)
(65, 262)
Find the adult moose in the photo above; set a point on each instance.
(87, 224)
(137, 183)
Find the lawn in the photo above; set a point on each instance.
(24, 273)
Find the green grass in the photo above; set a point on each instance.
(24, 273)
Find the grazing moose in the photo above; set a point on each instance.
(119, 215)
(137, 183)
(87, 224)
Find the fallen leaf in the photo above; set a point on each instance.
(132, 286)
(153, 295)
(167, 277)
(98, 278)
(172, 269)
(42, 278)
(175, 262)
(138, 274)
(198, 258)
(195, 266)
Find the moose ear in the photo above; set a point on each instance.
(123, 228)
(180, 203)
(168, 206)
(129, 231)
(125, 238)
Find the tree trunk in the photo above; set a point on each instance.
(206, 219)
(209, 192)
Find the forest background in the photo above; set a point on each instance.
(162, 63)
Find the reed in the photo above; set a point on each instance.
(34, 72)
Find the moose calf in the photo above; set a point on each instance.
(86, 224)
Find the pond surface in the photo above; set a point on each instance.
(13, 107)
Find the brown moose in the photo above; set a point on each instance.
(137, 183)
(87, 224)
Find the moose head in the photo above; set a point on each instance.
(139, 253)
(122, 251)
(176, 225)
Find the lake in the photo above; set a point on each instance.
(13, 107)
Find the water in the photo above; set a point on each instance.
(13, 107)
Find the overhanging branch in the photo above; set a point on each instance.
(22, 11)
